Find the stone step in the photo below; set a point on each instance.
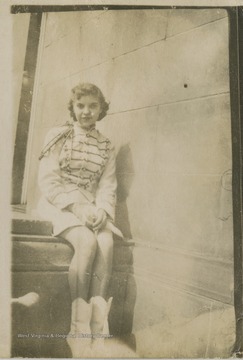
(31, 227)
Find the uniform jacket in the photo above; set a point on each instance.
(79, 167)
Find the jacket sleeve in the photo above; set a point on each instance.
(106, 190)
(49, 177)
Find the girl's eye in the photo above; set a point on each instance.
(93, 106)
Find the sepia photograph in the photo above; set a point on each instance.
(125, 182)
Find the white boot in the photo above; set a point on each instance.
(79, 337)
(27, 300)
(99, 324)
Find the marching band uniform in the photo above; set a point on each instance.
(77, 168)
(78, 184)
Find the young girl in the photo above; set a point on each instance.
(78, 183)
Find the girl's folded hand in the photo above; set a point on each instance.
(100, 221)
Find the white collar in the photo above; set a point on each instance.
(79, 130)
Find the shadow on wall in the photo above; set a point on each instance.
(123, 285)
(125, 175)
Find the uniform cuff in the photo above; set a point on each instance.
(108, 209)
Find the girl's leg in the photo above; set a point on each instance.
(85, 246)
(102, 264)
(98, 290)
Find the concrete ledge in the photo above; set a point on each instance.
(31, 227)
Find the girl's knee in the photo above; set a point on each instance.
(88, 245)
(105, 239)
(81, 238)
(105, 244)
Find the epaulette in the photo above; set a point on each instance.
(103, 139)
(64, 133)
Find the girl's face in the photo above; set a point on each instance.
(87, 110)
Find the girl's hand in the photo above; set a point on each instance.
(85, 214)
(100, 221)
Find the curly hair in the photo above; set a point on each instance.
(85, 89)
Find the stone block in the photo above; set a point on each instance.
(167, 66)
(59, 25)
(121, 314)
(33, 227)
(194, 137)
(39, 255)
(123, 255)
(55, 57)
(51, 316)
(171, 162)
(196, 273)
(182, 20)
(116, 33)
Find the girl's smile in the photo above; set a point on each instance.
(87, 111)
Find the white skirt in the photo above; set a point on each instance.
(64, 219)
(61, 219)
